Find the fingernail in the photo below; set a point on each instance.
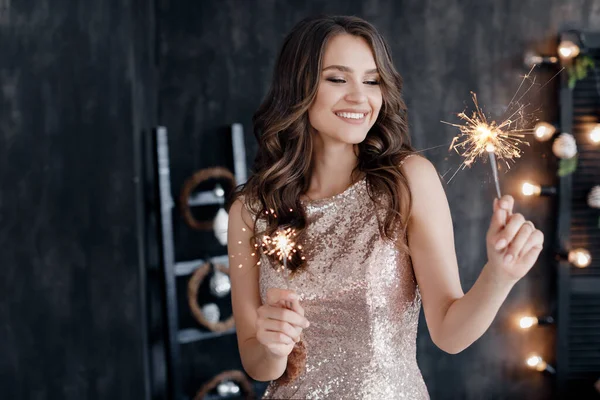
(306, 324)
(501, 243)
(293, 296)
(508, 258)
(503, 204)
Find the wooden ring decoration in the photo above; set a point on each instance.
(231, 375)
(191, 183)
(192, 294)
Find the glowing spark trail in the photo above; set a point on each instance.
(478, 136)
(282, 244)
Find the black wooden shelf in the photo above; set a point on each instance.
(183, 268)
(191, 335)
(205, 199)
(172, 270)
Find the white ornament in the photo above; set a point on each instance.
(211, 312)
(564, 146)
(220, 226)
(593, 198)
(228, 388)
(220, 285)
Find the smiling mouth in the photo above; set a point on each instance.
(352, 117)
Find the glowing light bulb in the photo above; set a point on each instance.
(536, 362)
(595, 134)
(527, 322)
(568, 50)
(543, 131)
(580, 258)
(529, 189)
(531, 58)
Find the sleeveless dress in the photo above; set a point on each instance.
(360, 296)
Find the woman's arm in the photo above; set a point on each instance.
(245, 297)
(455, 320)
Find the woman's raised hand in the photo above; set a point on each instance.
(280, 321)
(513, 243)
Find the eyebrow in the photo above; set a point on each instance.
(343, 68)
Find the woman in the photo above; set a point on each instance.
(373, 224)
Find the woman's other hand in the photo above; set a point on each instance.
(280, 321)
(513, 243)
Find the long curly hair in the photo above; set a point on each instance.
(284, 161)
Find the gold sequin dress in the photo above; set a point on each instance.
(361, 298)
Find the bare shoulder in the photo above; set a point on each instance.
(425, 185)
(419, 170)
(240, 212)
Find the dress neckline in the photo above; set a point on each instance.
(329, 199)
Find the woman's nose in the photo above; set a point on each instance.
(356, 96)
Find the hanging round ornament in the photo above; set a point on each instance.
(593, 200)
(565, 148)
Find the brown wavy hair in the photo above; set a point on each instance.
(283, 164)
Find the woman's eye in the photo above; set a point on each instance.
(336, 80)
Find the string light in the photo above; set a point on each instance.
(532, 58)
(579, 257)
(527, 322)
(568, 50)
(537, 363)
(543, 131)
(531, 189)
(595, 134)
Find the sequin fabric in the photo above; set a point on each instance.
(360, 295)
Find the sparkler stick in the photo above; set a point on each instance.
(495, 172)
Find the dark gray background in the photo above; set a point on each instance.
(76, 94)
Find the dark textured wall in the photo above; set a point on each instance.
(216, 61)
(70, 294)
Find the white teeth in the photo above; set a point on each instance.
(351, 115)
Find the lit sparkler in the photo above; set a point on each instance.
(479, 136)
(282, 244)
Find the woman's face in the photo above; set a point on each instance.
(348, 97)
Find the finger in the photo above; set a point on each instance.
(274, 295)
(498, 222)
(290, 316)
(510, 230)
(516, 245)
(295, 303)
(277, 337)
(273, 325)
(536, 239)
(291, 305)
(507, 202)
(532, 255)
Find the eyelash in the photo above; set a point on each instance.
(335, 80)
